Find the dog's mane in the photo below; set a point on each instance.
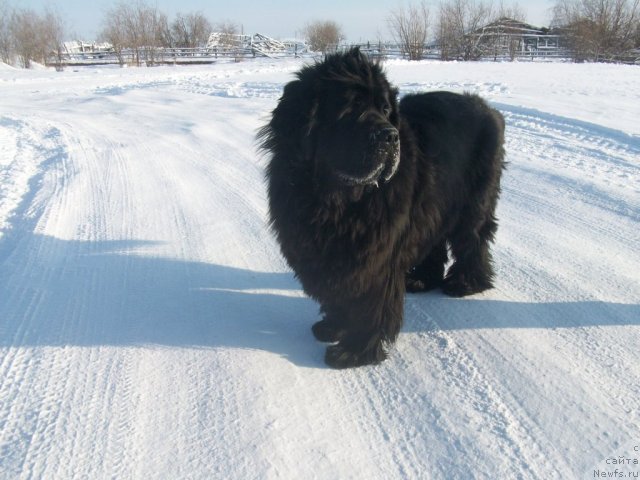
(353, 68)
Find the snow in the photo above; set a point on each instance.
(149, 327)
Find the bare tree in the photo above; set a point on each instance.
(180, 34)
(409, 28)
(6, 39)
(137, 26)
(457, 20)
(52, 33)
(150, 25)
(323, 35)
(29, 36)
(191, 30)
(114, 31)
(512, 11)
(598, 30)
(24, 28)
(164, 36)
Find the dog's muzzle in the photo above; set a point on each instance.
(387, 142)
(383, 153)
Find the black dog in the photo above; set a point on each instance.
(366, 196)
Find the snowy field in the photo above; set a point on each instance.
(150, 329)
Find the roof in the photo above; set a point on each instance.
(509, 25)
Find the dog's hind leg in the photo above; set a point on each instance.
(470, 239)
(429, 273)
(472, 270)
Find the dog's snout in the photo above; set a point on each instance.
(388, 135)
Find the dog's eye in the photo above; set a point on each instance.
(386, 109)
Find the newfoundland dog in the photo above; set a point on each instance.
(368, 196)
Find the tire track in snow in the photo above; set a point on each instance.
(558, 161)
(119, 452)
(400, 405)
(47, 207)
(34, 148)
(128, 235)
(467, 382)
(34, 174)
(591, 161)
(177, 223)
(532, 190)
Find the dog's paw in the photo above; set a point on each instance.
(337, 356)
(460, 286)
(417, 285)
(327, 332)
(419, 280)
(413, 285)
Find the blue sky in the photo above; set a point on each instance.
(360, 19)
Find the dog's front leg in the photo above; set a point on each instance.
(369, 323)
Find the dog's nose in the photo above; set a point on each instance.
(388, 135)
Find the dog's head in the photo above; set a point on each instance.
(339, 121)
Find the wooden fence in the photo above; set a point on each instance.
(198, 56)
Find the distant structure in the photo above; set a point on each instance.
(507, 38)
(79, 48)
(256, 44)
(219, 45)
(504, 39)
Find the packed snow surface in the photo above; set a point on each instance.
(150, 329)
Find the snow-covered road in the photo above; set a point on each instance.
(149, 327)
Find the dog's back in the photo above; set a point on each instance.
(460, 143)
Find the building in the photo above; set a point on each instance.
(509, 39)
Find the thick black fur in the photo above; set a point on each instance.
(357, 227)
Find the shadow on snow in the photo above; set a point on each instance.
(58, 293)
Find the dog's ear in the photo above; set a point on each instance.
(394, 117)
(293, 118)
